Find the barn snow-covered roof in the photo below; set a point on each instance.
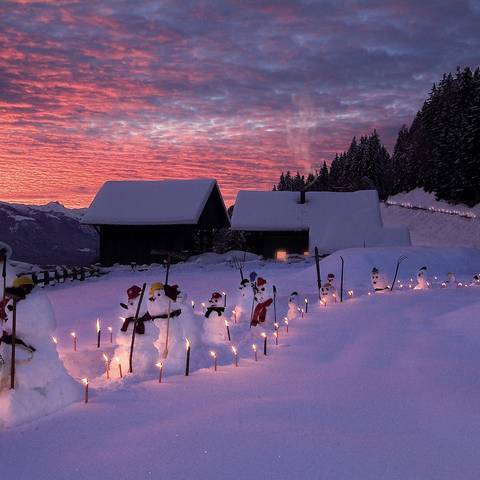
(143, 202)
(333, 219)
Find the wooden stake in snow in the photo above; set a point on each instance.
(399, 261)
(160, 367)
(14, 341)
(214, 356)
(275, 303)
(99, 333)
(317, 264)
(85, 382)
(187, 363)
(341, 281)
(165, 350)
(135, 320)
(228, 331)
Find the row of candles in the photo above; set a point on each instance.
(188, 347)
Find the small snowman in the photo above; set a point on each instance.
(422, 283)
(214, 330)
(244, 302)
(293, 307)
(475, 280)
(331, 279)
(450, 282)
(146, 333)
(262, 299)
(328, 293)
(379, 281)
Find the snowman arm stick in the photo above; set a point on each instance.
(130, 359)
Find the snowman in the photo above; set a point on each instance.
(422, 283)
(42, 384)
(262, 301)
(243, 306)
(293, 308)
(379, 281)
(450, 282)
(145, 353)
(215, 330)
(328, 293)
(475, 280)
(331, 279)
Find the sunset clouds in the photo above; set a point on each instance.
(236, 90)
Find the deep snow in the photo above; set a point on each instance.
(380, 387)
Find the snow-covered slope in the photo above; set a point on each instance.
(429, 224)
(378, 387)
(47, 234)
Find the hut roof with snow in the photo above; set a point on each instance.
(329, 220)
(137, 218)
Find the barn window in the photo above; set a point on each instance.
(281, 255)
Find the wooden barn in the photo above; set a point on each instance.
(138, 221)
(276, 224)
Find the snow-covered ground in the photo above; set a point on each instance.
(382, 386)
(428, 225)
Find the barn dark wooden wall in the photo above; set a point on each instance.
(135, 243)
(268, 243)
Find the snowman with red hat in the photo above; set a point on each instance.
(214, 329)
(146, 333)
(263, 300)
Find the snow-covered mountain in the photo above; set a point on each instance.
(47, 234)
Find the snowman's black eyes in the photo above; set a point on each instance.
(10, 307)
(262, 289)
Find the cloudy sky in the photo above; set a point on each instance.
(236, 90)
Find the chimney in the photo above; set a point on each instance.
(302, 197)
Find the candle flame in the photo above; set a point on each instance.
(263, 334)
(213, 354)
(203, 304)
(234, 312)
(254, 347)
(275, 334)
(286, 321)
(234, 350)
(193, 303)
(110, 329)
(105, 357)
(276, 325)
(187, 342)
(85, 381)
(54, 340)
(226, 323)
(117, 359)
(98, 325)
(73, 334)
(306, 300)
(159, 365)
(223, 293)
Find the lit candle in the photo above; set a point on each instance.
(193, 305)
(306, 305)
(335, 297)
(301, 310)
(119, 367)
(203, 307)
(110, 329)
(235, 315)
(160, 371)
(74, 336)
(187, 363)
(214, 356)
(228, 331)
(264, 335)
(254, 348)
(350, 293)
(99, 333)
(107, 366)
(54, 340)
(275, 334)
(235, 355)
(224, 300)
(285, 321)
(277, 326)
(85, 382)
(323, 302)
